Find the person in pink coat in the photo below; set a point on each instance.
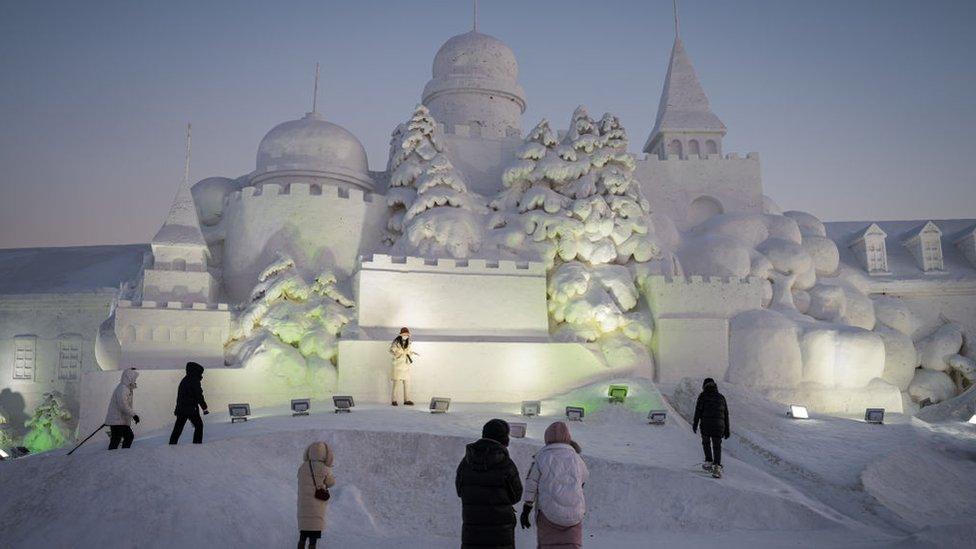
(554, 488)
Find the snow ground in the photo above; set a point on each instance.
(787, 483)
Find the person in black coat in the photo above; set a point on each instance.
(189, 402)
(488, 484)
(712, 414)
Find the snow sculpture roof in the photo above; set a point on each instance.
(78, 269)
(312, 144)
(182, 226)
(475, 62)
(684, 105)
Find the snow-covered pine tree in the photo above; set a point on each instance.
(6, 439)
(576, 205)
(48, 424)
(432, 213)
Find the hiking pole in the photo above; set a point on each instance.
(100, 427)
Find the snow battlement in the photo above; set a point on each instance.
(455, 266)
(471, 130)
(147, 304)
(752, 156)
(302, 190)
(702, 297)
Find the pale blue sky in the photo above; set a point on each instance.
(860, 109)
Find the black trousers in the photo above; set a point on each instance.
(178, 428)
(713, 448)
(120, 433)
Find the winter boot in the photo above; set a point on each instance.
(408, 403)
(394, 403)
(707, 466)
(717, 471)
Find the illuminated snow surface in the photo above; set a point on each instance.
(823, 482)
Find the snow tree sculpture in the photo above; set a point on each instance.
(48, 424)
(432, 213)
(6, 439)
(291, 328)
(575, 205)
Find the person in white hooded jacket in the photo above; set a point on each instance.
(121, 412)
(554, 487)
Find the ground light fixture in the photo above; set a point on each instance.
(239, 411)
(617, 393)
(439, 405)
(575, 413)
(972, 420)
(874, 415)
(3, 455)
(343, 403)
(657, 417)
(516, 429)
(531, 408)
(300, 406)
(798, 412)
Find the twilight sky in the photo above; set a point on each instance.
(860, 109)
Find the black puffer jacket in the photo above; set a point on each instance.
(488, 484)
(712, 412)
(190, 394)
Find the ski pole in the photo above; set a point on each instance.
(100, 427)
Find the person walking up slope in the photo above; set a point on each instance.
(189, 402)
(314, 480)
(554, 487)
(488, 484)
(121, 413)
(712, 412)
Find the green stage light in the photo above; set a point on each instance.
(617, 393)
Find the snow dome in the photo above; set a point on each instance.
(312, 146)
(474, 83)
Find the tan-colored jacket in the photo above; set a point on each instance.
(401, 361)
(311, 511)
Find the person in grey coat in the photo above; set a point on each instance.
(121, 412)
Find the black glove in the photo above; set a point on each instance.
(205, 412)
(726, 437)
(524, 519)
(136, 418)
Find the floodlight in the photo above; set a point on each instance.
(874, 415)
(343, 403)
(657, 417)
(300, 406)
(439, 405)
(517, 430)
(3, 455)
(239, 412)
(575, 413)
(531, 408)
(973, 419)
(617, 393)
(798, 412)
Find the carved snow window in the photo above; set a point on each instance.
(877, 258)
(69, 357)
(25, 349)
(869, 247)
(925, 244)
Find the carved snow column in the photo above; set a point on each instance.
(869, 247)
(925, 244)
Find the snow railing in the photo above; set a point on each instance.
(653, 157)
(302, 190)
(388, 262)
(125, 303)
(698, 296)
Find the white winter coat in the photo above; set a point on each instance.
(311, 511)
(120, 407)
(555, 484)
(401, 361)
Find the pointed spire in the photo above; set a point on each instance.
(676, 33)
(474, 24)
(684, 106)
(182, 226)
(315, 93)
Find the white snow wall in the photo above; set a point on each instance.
(321, 226)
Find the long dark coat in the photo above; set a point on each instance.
(712, 412)
(488, 484)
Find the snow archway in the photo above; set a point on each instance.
(703, 208)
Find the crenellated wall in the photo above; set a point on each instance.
(474, 298)
(320, 226)
(166, 335)
(480, 158)
(691, 189)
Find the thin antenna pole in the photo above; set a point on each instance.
(186, 164)
(474, 25)
(315, 93)
(676, 35)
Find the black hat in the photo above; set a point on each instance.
(707, 381)
(497, 430)
(194, 369)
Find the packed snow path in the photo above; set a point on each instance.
(395, 471)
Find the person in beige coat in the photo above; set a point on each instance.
(402, 360)
(315, 472)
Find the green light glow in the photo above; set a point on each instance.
(45, 425)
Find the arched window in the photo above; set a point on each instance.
(25, 349)
(693, 149)
(69, 356)
(703, 208)
(711, 147)
(674, 148)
